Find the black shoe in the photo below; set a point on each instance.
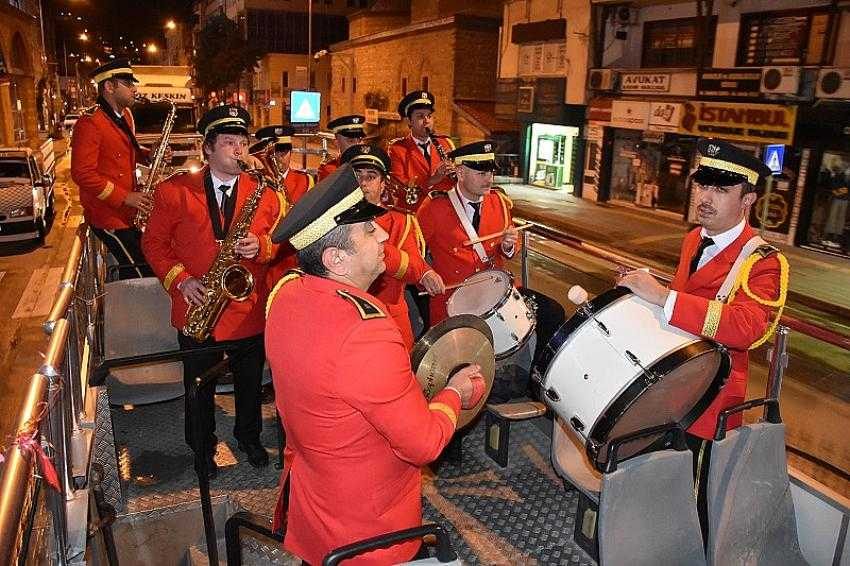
(257, 455)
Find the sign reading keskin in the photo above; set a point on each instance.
(760, 123)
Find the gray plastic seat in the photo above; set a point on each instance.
(648, 513)
(137, 321)
(750, 510)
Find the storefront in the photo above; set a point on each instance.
(551, 154)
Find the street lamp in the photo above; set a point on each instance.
(170, 24)
(84, 37)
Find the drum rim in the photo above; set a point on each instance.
(495, 307)
(601, 429)
(571, 325)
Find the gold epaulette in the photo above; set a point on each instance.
(394, 140)
(504, 196)
(365, 307)
(290, 275)
(91, 110)
(438, 194)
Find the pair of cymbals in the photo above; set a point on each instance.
(447, 348)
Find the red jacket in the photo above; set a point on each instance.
(103, 165)
(327, 167)
(444, 237)
(295, 185)
(740, 324)
(403, 253)
(358, 428)
(179, 242)
(408, 165)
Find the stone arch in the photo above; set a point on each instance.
(20, 60)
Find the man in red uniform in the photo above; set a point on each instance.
(275, 151)
(193, 212)
(713, 297)
(358, 427)
(416, 161)
(470, 209)
(347, 130)
(104, 152)
(404, 248)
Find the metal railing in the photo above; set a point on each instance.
(52, 417)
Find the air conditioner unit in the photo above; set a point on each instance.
(833, 83)
(780, 80)
(601, 79)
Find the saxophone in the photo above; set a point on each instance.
(157, 162)
(227, 279)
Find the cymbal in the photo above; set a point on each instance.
(455, 343)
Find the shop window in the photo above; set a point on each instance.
(796, 37)
(551, 156)
(829, 228)
(673, 43)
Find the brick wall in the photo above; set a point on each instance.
(366, 23)
(23, 59)
(476, 58)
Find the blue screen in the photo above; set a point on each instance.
(305, 107)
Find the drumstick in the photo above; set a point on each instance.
(461, 284)
(480, 239)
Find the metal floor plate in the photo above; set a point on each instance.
(516, 515)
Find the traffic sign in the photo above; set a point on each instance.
(774, 155)
(306, 107)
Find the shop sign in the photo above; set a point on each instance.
(525, 99)
(594, 133)
(371, 115)
(630, 114)
(599, 110)
(759, 123)
(665, 116)
(644, 82)
(730, 83)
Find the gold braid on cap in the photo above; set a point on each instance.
(236, 120)
(752, 176)
(109, 73)
(357, 161)
(427, 101)
(475, 158)
(348, 127)
(325, 223)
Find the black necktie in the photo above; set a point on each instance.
(704, 243)
(476, 215)
(224, 197)
(425, 147)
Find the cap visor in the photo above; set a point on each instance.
(352, 133)
(363, 211)
(481, 165)
(717, 177)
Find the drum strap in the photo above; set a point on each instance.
(467, 224)
(746, 251)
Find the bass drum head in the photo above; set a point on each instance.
(689, 381)
(480, 293)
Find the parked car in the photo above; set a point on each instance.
(26, 195)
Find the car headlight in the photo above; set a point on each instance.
(21, 211)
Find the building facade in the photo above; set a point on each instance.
(773, 78)
(542, 72)
(26, 92)
(447, 48)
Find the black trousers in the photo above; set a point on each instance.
(125, 244)
(701, 450)
(246, 358)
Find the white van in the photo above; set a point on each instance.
(26, 194)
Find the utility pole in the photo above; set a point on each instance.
(309, 44)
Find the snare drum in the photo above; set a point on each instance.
(617, 367)
(491, 295)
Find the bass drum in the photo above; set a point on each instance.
(617, 367)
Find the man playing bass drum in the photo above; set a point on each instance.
(730, 285)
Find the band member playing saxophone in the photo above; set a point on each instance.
(103, 164)
(193, 214)
(347, 130)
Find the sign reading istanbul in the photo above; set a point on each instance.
(644, 82)
(760, 123)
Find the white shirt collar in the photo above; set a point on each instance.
(723, 239)
(218, 182)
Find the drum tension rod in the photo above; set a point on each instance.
(649, 376)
